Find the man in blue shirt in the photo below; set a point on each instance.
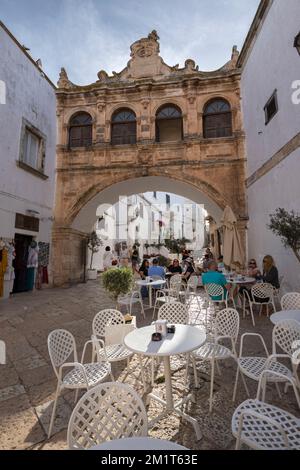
(156, 270)
(214, 277)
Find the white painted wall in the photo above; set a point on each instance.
(273, 64)
(28, 95)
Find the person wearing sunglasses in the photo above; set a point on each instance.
(253, 270)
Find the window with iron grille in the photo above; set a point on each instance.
(217, 119)
(169, 127)
(271, 108)
(80, 130)
(123, 127)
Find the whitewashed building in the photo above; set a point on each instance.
(27, 150)
(271, 106)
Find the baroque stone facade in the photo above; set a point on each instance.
(214, 166)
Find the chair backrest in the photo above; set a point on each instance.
(263, 291)
(155, 277)
(193, 281)
(291, 301)
(175, 281)
(214, 290)
(104, 318)
(227, 323)
(174, 312)
(107, 412)
(285, 335)
(61, 346)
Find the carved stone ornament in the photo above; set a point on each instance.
(102, 75)
(145, 103)
(101, 106)
(63, 81)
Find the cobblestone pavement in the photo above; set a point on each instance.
(28, 383)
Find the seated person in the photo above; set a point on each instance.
(156, 270)
(144, 269)
(175, 267)
(221, 265)
(270, 272)
(185, 255)
(189, 269)
(253, 270)
(206, 262)
(214, 277)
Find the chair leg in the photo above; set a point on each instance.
(212, 378)
(236, 384)
(278, 390)
(245, 385)
(152, 372)
(54, 410)
(76, 395)
(142, 309)
(142, 373)
(195, 372)
(252, 314)
(218, 368)
(186, 369)
(111, 374)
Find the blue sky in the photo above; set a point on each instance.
(85, 36)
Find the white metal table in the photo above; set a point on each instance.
(138, 443)
(150, 285)
(185, 340)
(241, 281)
(285, 315)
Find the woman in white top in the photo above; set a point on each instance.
(107, 258)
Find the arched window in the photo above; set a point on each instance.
(81, 130)
(169, 124)
(217, 119)
(123, 127)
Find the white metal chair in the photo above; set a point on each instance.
(62, 348)
(261, 426)
(175, 312)
(192, 284)
(214, 291)
(109, 352)
(107, 412)
(169, 294)
(284, 335)
(226, 327)
(291, 301)
(261, 294)
(132, 298)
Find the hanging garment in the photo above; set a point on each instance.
(45, 275)
(39, 278)
(3, 267)
(44, 254)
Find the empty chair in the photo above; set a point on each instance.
(107, 412)
(261, 426)
(114, 351)
(175, 312)
(226, 326)
(261, 294)
(284, 335)
(132, 298)
(217, 295)
(291, 301)
(63, 355)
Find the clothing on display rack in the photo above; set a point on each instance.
(7, 272)
(32, 265)
(43, 262)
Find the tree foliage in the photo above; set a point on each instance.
(118, 281)
(286, 225)
(93, 244)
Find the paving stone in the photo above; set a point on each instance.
(19, 426)
(30, 363)
(63, 413)
(8, 376)
(42, 393)
(36, 376)
(11, 392)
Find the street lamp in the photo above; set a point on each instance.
(297, 43)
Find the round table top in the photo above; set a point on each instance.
(185, 339)
(138, 443)
(244, 280)
(159, 282)
(285, 315)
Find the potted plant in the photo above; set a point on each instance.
(93, 244)
(117, 281)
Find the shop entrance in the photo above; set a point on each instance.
(22, 243)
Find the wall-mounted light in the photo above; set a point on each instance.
(297, 43)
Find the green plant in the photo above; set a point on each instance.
(286, 225)
(93, 244)
(117, 281)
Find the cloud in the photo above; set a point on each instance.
(90, 35)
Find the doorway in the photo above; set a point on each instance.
(22, 243)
